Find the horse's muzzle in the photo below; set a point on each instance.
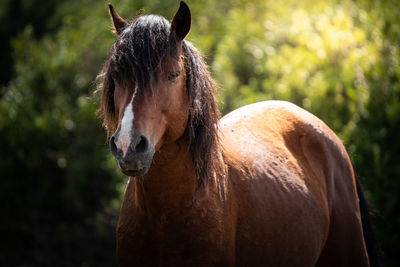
(137, 157)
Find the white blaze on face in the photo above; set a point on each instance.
(124, 138)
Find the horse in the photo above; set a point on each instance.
(268, 184)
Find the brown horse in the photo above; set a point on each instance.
(267, 185)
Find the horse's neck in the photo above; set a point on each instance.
(170, 179)
(171, 185)
(168, 210)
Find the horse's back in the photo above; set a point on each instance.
(293, 182)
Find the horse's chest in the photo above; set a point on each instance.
(180, 243)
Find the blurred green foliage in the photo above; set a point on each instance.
(60, 188)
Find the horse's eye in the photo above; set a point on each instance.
(173, 76)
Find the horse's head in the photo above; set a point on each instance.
(144, 98)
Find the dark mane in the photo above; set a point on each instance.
(204, 115)
(138, 57)
(139, 52)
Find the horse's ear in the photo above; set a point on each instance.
(182, 21)
(118, 22)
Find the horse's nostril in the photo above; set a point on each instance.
(113, 146)
(142, 145)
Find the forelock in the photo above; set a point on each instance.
(140, 50)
